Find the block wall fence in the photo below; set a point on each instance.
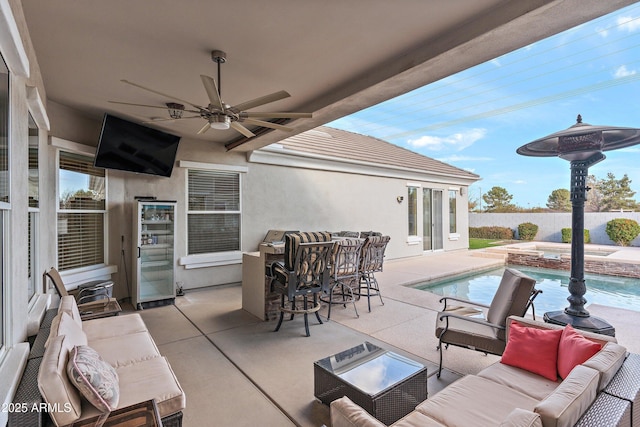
(550, 225)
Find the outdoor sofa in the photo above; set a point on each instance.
(123, 345)
(505, 395)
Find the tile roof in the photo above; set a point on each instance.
(330, 142)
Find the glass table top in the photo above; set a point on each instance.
(370, 368)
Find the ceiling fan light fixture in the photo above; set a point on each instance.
(220, 122)
(175, 110)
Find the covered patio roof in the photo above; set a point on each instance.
(334, 58)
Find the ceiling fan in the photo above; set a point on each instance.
(219, 115)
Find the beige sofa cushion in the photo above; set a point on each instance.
(607, 361)
(146, 380)
(64, 324)
(345, 413)
(521, 418)
(54, 385)
(571, 399)
(68, 304)
(114, 326)
(126, 349)
(474, 401)
(417, 419)
(519, 379)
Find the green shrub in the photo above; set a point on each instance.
(622, 231)
(527, 231)
(566, 235)
(499, 233)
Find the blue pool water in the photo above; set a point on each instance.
(612, 291)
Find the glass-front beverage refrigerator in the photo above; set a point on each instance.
(154, 254)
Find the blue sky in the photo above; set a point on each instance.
(476, 119)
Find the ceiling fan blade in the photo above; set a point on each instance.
(283, 115)
(205, 128)
(276, 96)
(268, 125)
(170, 120)
(212, 90)
(161, 94)
(137, 105)
(243, 130)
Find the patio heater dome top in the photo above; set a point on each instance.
(581, 141)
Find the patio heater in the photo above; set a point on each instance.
(582, 145)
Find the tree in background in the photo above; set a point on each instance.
(559, 200)
(473, 205)
(617, 193)
(498, 199)
(594, 195)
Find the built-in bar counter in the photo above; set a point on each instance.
(257, 297)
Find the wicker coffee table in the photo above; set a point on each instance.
(385, 384)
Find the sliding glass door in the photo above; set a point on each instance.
(432, 239)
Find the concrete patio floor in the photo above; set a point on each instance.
(237, 372)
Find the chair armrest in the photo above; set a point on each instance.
(446, 316)
(477, 304)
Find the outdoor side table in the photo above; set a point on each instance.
(626, 385)
(385, 384)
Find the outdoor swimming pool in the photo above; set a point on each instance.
(612, 291)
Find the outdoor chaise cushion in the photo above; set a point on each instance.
(345, 413)
(510, 299)
(607, 361)
(478, 398)
(146, 380)
(521, 418)
(518, 379)
(54, 383)
(572, 398)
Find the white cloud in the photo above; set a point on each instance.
(457, 158)
(628, 23)
(602, 32)
(622, 71)
(519, 181)
(457, 141)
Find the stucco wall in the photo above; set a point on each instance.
(551, 224)
(273, 197)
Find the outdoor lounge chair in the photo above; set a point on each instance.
(345, 264)
(303, 275)
(457, 325)
(371, 262)
(93, 298)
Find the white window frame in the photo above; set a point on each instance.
(6, 304)
(34, 242)
(91, 271)
(414, 239)
(217, 258)
(454, 235)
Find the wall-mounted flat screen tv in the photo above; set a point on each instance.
(128, 146)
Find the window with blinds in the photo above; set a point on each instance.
(4, 184)
(453, 203)
(214, 211)
(34, 203)
(4, 132)
(412, 211)
(81, 212)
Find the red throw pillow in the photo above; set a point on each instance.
(574, 349)
(533, 349)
